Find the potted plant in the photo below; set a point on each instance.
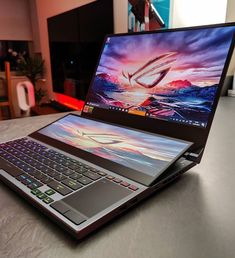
(33, 69)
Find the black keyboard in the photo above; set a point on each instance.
(36, 165)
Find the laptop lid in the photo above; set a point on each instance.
(134, 154)
(166, 82)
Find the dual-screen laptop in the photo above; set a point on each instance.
(145, 121)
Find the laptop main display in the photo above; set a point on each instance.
(168, 75)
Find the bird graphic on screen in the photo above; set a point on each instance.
(102, 138)
(152, 72)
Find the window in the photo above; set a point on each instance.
(11, 51)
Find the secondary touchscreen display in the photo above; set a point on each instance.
(143, 152)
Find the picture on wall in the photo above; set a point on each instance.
(144, 15)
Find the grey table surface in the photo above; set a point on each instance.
(193, 217)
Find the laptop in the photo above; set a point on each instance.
(145, 121)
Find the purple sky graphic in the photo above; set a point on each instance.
(201, 54)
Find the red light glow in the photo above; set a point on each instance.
(70, 102)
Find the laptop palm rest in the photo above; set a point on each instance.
(95, 198)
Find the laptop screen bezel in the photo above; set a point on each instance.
(195, 134)
(127, 172)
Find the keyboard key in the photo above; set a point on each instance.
(35, 184)
(5, 147)
(38, 157)
(41, 195)
(47, 170)
(39, 175)
(81, 170)
(75, 176)
(125, 184)
(32, 171)
(60, 168)
(48, 200)
(60, 177)
(67, 172)
(54, 165)
(72, 184)
(50, 192)
(84, 180)
(29, 161)
(27, 168)
(53, 173)
(8, 157)
(77, 163)
(32, 154)
(55, 158)
(35, 191)
(60, 160)
(133, 187)
(92, 175)
(49, 156)
(22, 165)
(110, 177)
(61, 155)
(66, 163)
(40, 167)
(46, 179)
(27, 181)
(58, 187)
(1, 151)
(47, 162)
(21, 177)
(117, 180)
(101, 173)
(73, 166)
(35, 163)
(27, 152)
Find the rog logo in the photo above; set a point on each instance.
(151, 73)
(102, 138)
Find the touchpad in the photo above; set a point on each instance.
(96, 197)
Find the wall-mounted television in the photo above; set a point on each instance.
(75, 41)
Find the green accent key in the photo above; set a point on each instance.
(41, 196)
(35, 191)
(48, 200)
(50, 192)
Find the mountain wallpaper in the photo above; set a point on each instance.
(169, 75)
(143, 152)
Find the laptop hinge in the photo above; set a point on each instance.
(194, 156)
(179, 167)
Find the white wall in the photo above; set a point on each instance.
(198, 12)
(14, 20)
(230, 17)
(35, 26)
(120, 15)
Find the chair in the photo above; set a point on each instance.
(6, 101)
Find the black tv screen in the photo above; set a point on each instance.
(75, 40)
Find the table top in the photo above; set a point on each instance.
(193, 217)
